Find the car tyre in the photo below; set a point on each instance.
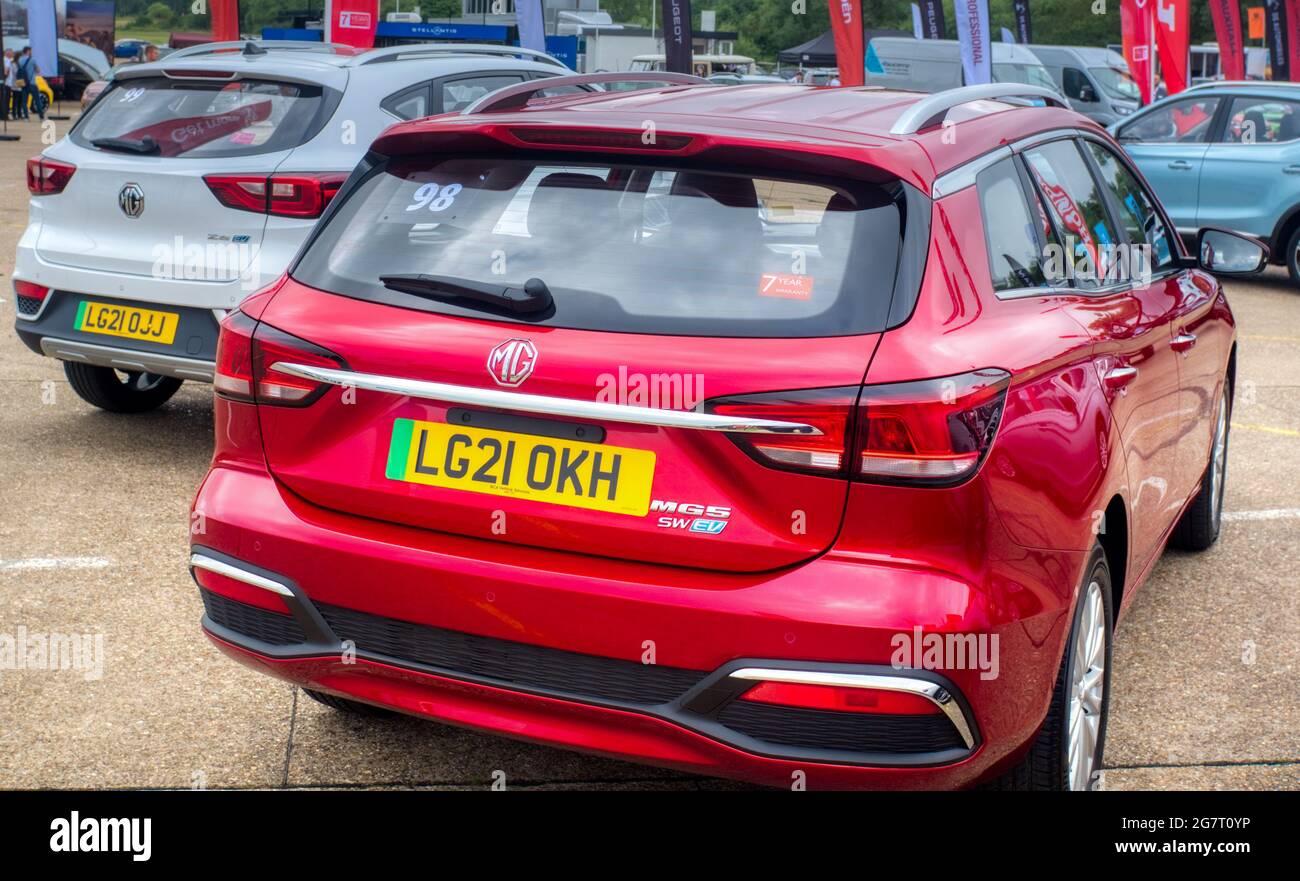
(1199, 526)
(349, 706)
(1067, 753)
(105, 388)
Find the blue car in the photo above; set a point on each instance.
(1225, 154)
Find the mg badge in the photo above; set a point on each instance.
(511, 362)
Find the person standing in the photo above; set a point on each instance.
(7, 85)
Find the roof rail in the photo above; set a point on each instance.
(516, 96)
(420, 50)
(241, 46)
(933, 109)
(1267, 83)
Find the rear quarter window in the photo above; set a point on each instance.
(628, 248)
(196, 119)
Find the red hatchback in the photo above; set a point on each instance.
(771, 432)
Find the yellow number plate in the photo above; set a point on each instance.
(504, 463)
(127, 321)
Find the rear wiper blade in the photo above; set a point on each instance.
(534, 296)
(146, 146)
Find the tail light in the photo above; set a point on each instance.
(46, 176)
(245, 352)
(280, 195)
(841, 699)
(932, 432)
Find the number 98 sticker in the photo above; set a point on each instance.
(434, 197)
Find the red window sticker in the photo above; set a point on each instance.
(787, 287)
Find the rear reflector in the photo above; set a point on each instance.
(933, 432)
(280, 195)
(46, 176)
(840, 699)
(245, 351)
(601, 140)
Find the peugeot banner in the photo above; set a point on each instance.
(846, 27)
(1227, 28)
(677, 35)
(973, 34)
(1023, 29)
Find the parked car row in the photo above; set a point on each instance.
(434, 489)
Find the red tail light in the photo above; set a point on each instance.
(280, 195)
(934, 432)
(841, 699)
(245, 353)
(46, 176)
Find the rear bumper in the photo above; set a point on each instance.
(467, 632)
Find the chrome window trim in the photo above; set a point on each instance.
(202, 561)
(542, 404)
(931, 691)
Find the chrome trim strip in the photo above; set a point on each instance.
(932, 109)
(201, 561)
(542, 404)
(130, 360)
(964, 175)
(931, 691)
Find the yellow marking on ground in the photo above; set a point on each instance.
(1269, 429)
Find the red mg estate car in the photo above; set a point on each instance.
(754, 431)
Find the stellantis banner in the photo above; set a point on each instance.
(42, 30)
(225, 19)
(1135, 32)
(973, 34)
(1227, 28)
(932, 19)
(351, 22)
(1173, 23)
(677, 35)
(532, 29)
(846, 26)
(1023, 30)
(1275, 39)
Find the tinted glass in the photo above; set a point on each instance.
(1015, 235)
(195, 119)
(1262, 121)
(624, 248)
(1183, 122)
(1075, 201)
(1137, 209)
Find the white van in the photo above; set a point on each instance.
(935, 65)
(1094, 80)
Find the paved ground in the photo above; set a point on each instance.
(93, 539)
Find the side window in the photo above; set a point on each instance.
(1073, 82)
(1068, 187)
(1015, 235)
(459, 94)
(1183, 122)
(1262, 121)
(1137, 207)
(412, 103)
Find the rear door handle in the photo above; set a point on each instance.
(1291, 169)
(1180, 165)
(1183, 342)
(1117, 379)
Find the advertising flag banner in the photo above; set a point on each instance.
(1023, 30)
(678, 35)
(846, 27)
(1135, 33)
(973, 35)
(1173, 41)
(1227, 30)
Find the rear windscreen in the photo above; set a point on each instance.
(197, 119)
(628, 248)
